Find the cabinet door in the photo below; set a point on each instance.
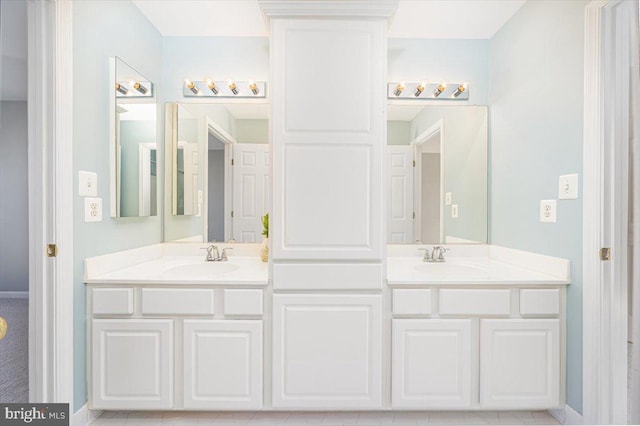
(132, 364)
(520, 363)
(327, 351)
(222, 364)
(431, 363)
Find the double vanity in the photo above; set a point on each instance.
(168, 330)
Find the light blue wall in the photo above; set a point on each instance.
(14, 212)
(438, 60)
(536, 136)
(103, 29)
(252, 131)
(398, 132)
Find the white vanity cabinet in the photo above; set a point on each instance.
(327, 351)
(474, 348)
(173, 348)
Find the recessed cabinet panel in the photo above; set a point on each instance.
(327, 351)
(520, 363)
(328, 198)
(431, 365)
(114, 301)
(176, 301)
(132, 364)
(222, 364)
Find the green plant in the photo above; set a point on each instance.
(265, 225)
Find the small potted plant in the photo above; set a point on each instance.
(264, 254)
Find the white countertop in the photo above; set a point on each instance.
(171, 270)
(465, 270)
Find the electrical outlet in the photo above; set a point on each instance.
(447, 198)
(87, 184)
(568, 187)
(548, 211)
(454, 211)
(93, 209)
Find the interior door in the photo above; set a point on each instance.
(250, 190)
(191, 161)
(400, 215)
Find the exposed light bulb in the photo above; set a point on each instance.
(233, 87)
(419, 89)
(461, 89)
(254, 87)
(212, 86)
(399, 88)
(139, 87)
(191, 86)
(441, 88)
(120, 88)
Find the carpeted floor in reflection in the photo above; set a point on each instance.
(14, 355)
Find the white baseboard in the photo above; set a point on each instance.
(567, 415)
(84, 416)
(14, 294)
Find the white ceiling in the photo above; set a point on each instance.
(13, 45)
(403, 112)
(248, 111)
(450, 19)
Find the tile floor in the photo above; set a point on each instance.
(328, 418)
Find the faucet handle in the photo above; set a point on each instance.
(223, 256)
(426, 256)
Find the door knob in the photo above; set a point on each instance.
(3, 327)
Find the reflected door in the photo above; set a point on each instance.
(400, 213)
(250, 190)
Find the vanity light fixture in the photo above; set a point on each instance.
(120, 88)
(254, 87)
(191, 86)
(461, 88)
(233, 87)
(399, 88)
(139, 87)
(419, 89)
(441, 88)
(212, 86)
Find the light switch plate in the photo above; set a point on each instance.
(93, 209)
(454, 211)
(548, 211)
(447, 198)
(568, 187)
(87, 184)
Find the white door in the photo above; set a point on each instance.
(222, 364)
(400, 215)
(520, 363)
(250, 190)
(327, 351)
(132, 364)
(432, 363)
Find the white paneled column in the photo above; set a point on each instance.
(328, 66)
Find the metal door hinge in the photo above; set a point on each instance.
(414, 215)
(414, 163)
(52, 250)
(231, 213)
(605, 253)
(232, 162)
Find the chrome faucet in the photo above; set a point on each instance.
(213, 255)
(427, 256)
(437, 254)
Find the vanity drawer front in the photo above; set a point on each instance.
(411, 302)
(113, 301)
(475, 302)
(540, 301)
(242, 302)
(177, 301)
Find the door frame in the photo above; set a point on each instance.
(605, 212)
(417, 143)
(50, 163)
(223, 136)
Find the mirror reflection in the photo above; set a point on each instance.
(219, 167)
(134, 151)
(437, 163)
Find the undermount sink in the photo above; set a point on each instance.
(451, 268)
(204, 269)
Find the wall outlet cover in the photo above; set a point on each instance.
(447, 198)
(454, 211)
(568, 187)
(93, 209)
(548, 211)
(87, 184)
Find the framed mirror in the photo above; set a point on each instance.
(217, 158)
(134, 150)
(437, 174)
